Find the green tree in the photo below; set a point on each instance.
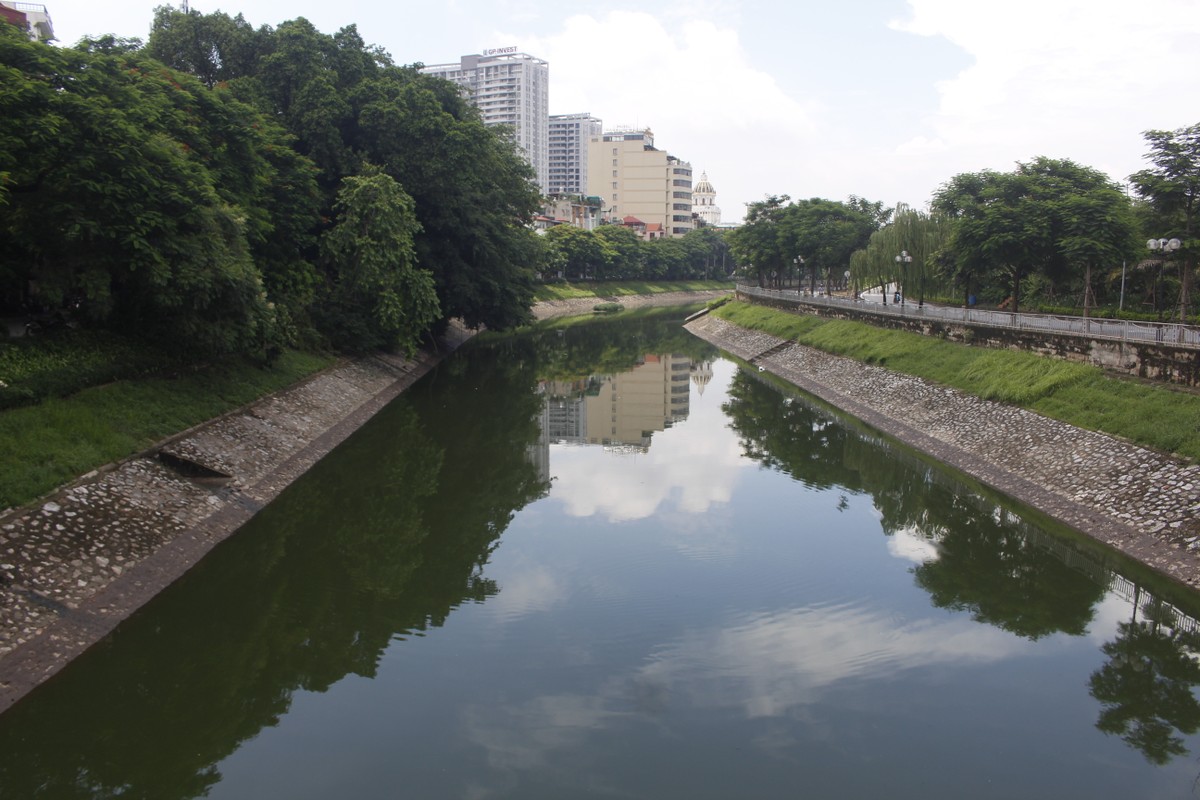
(380, 297)
(213, 47)
(576, 253)
(1172, 190)
(347, 104)
(150, 184)
(1049, 217)
(759, 244)
(826, 233)
(626, 249)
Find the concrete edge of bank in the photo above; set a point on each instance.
(60, 628)
(1143, 504)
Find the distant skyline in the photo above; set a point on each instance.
(885, 99)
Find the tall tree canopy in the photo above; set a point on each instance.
(1049, 217)
(380, 297)
(1172, 189)
(824, 233)
(347, 104)
(141, 198)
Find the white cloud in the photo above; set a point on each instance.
(1061, 78)
(774, 662)
(527, 590)
(769, 665)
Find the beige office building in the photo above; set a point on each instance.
(636, 179)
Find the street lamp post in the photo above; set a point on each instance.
(1166, 247)
(904, 259)
(799, 262)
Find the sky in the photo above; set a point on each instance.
(883, 99)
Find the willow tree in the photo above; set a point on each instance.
(916, 233)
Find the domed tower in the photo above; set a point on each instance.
(704, 201)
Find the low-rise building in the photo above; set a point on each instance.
(33, 18)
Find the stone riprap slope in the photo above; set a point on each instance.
(1143, 503)
(80, 561)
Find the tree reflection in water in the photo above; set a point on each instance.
(987, 564)
(1147, 687)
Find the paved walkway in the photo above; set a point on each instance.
(1140, 502)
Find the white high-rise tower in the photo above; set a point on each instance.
(513, 89)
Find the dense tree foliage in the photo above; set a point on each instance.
(140, 198)
(211, 189)
(380, 297)
(1171, 189)
(614, 252)
(812, 239)
(1050, 218)
(348, 104)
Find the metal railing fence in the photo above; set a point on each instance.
(1164, 333)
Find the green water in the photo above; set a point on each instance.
(602, 561)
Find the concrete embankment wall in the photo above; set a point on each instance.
(1153, 361)
(76, 564)
(1142, 503)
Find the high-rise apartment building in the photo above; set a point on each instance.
(636, 179)
(569, 137)
(513, 89)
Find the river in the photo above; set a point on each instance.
(600, 560)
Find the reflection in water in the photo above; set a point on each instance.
(622, 412)
(770, 663)
(980, 558)
(377, 543)
(1147, 687)
(619, 410)
(399, 532)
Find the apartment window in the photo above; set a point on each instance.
(614, 173)
(614, 184)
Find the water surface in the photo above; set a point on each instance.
(603, 561)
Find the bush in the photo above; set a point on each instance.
(61, 363)
(607, 308)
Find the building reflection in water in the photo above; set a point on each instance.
(618, 412)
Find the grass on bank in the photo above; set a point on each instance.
(1159, 417)
(572, 291)
(46, 445)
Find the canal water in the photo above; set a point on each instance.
(603, 561)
